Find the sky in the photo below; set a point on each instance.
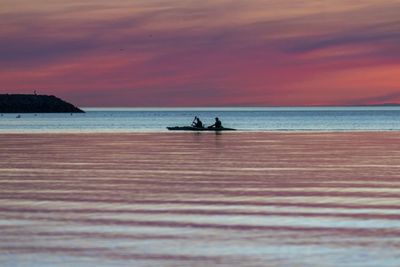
(171, 53)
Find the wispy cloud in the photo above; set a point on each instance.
(199, 52)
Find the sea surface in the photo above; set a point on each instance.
(245, 119)
(200, 199)
(296, 187)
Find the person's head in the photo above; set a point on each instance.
(216, 119)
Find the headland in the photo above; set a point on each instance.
(32, 103)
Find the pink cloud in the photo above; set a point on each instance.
(168, 53)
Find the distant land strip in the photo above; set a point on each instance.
(32, 103)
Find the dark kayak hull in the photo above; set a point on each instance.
(188, 128)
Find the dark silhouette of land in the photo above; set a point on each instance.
(19, 103)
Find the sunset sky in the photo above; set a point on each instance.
(202, 53)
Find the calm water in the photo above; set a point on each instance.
(174, 199)
(260, 119)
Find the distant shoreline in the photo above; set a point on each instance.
(32, 103)
(234, 107)
(229, 108)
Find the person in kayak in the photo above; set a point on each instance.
(197, 123)
(217, 124)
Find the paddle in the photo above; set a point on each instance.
(194, 121)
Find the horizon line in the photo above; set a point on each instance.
(277, 106)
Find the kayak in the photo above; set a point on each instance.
(190, 128)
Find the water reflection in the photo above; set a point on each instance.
(187, 199)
